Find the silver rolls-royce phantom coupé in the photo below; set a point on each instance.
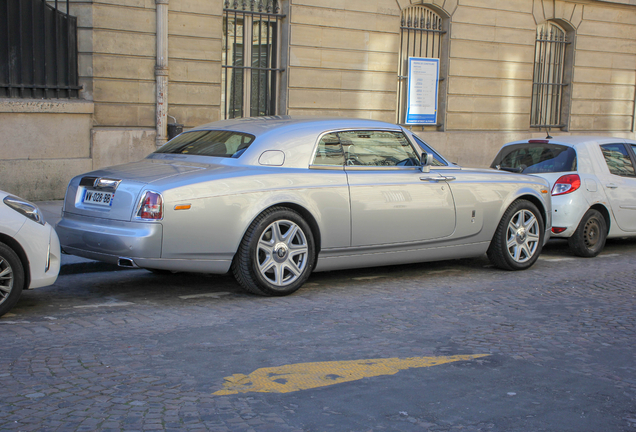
(273, 199)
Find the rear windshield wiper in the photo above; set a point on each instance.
(509, 169)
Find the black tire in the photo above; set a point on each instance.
(589, 238)
(11, 278)
(276, 255)
(519, 237)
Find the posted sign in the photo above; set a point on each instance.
(422, 90)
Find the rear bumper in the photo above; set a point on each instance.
(107, 240)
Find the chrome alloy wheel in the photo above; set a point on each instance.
(6, 279)
(282, 253)
(523, 236)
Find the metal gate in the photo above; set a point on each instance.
(251, 56)
(421, 36)
(38, 50)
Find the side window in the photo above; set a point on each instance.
(437, 159)
(618, 160)
(377, 148)
(329, 151)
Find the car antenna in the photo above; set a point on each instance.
(547, 131)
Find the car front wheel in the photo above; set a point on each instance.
(589, 238)
(518, 239)
(11, 278)
(276, 255)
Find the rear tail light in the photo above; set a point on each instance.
(566, 184)
(151, 206)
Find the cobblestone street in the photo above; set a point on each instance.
(130, 350)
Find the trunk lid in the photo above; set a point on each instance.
(114, 192)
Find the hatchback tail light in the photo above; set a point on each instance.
(150, 206)
(566, 184)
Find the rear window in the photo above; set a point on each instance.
(209, 143)
(536, 158)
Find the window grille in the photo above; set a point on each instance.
(38, 50)
(421, 36)
(548, 82)
(251, 57)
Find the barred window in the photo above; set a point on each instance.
(551, 71)
(38, 50)
(421, 35)
(251, 57)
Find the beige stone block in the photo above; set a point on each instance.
(83, 13)
(147, 4)
(44, 136)
(381, 115)
(537, 12)
(609, 15)
(192, 116)
(133, 68)
(475, 16)
(602, 91)
(40, 179)
(489, 87)
(563, 10)
(622, 46)
(344, 39)
(193, 94)
(492, 51)
(202, 26)
(84, 40)
(126, 91)
(604, 76)
(473, 32)
(483, 121)
(602, 29)
(367, 100)
(304, 57)
(490, 69)
(118, 114)
(346, 80)
(516, 36)
(483, 104)
(127, 43)
(345, 20)
(602, 108)
(600, 123)
(315, 78)
(111, 17)
(378, 81)
(340, 59)
(385, 7)
(195, 71)
(204, 7)
(509, 5)
(194, 48)
(85, 65)
(577, 16)
(114, 146)
(315, 99)
(613, 60)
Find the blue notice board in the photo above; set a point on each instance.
(422, 90)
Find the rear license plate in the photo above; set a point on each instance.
(98, 197)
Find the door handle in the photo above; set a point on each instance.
(438, 179)
(433, 179)
(611, 186)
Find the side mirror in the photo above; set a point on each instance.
(427, 161)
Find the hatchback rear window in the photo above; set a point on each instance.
(536, 158)
(209, 143)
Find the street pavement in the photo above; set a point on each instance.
(450, 346)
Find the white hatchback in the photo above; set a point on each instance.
(593, 183)
(29, 250)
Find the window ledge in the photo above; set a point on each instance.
(46, 106)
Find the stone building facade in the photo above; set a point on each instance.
(332, 57)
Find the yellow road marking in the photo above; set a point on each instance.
(303, 376)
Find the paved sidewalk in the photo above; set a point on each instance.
(71, 264)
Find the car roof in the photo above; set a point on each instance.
(259, 126)
(573, 140)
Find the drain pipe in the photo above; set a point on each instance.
(161, 73)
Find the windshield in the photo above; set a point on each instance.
(209, 143)
(536, 158)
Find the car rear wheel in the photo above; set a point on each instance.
(276, 255)
(11, 278)
(589, 238)
(518, 239)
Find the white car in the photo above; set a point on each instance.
(593, 183)
(29, 250)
